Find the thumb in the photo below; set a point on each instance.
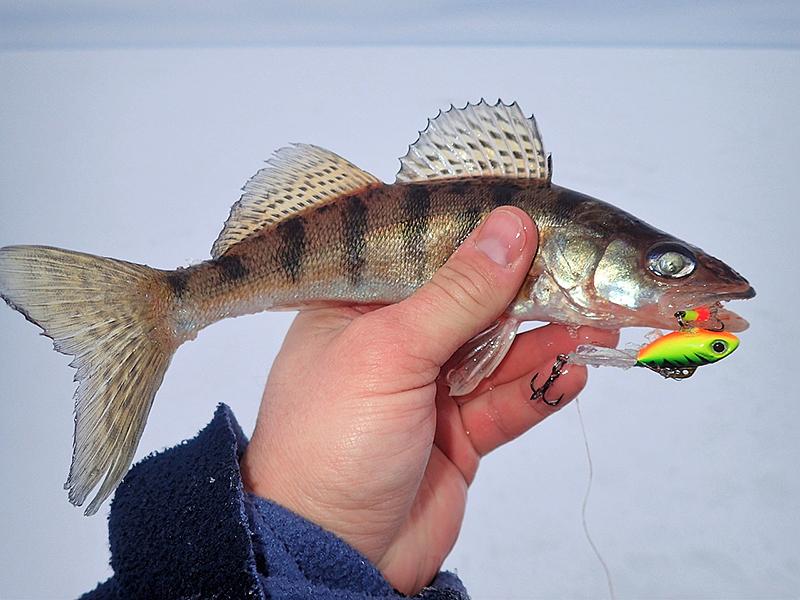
(473, 287)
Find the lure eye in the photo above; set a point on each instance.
(719, 346)
(671, 261)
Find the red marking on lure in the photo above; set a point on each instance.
(703, 314)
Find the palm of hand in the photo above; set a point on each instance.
(357, 434)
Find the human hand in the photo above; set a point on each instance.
(357, 432)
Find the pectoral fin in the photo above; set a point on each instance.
(479, 357)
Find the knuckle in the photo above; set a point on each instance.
(466, 286)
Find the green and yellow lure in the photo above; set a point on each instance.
(677, 354)
(674, 356)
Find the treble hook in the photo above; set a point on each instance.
(555, 373)
(721, 324)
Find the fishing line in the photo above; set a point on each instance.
(586, 502)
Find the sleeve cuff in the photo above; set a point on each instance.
(182, 526)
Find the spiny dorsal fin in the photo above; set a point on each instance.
(296, 177)
(477, 140)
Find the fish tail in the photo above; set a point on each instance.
(113, 317)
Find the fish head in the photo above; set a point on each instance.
(645, 276)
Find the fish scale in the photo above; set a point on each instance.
(311, 229)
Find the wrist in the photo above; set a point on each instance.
(261, 479)
(266, 475)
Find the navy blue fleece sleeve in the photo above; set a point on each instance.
(181, 526)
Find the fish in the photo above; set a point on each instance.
(311, 230)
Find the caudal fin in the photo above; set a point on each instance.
(111, 316)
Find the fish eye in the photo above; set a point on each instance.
(719, 346)
(671, 261)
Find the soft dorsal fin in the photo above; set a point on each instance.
(296, 177)
(477, 140)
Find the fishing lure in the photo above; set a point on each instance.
(676, 355)
(700, 315)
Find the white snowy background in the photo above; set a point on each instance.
(128, 131)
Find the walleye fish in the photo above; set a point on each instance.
(312, 229)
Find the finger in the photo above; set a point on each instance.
(539, 346)
(504, 412)
(471, 290)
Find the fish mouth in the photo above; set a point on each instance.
(725, 318)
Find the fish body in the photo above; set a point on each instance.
(380, 244)
(311, 230)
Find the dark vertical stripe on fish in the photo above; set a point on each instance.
(458, 188)
(231, 268)
(178, 280)
(503, 194)
(416, 206)
(470, 209)
(293, 246)
(468, 218)
(355, 247)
